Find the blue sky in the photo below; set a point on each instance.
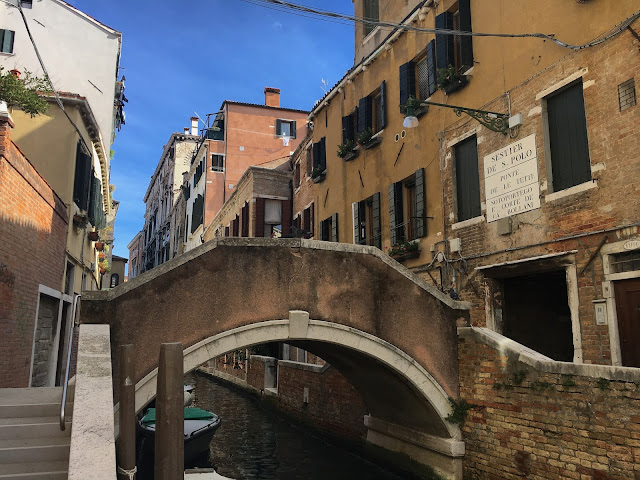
(183, 57)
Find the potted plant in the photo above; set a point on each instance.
(318, 174)
(93, 236)
(99, 246)
(405, 250)
(450, 80)
(347, 151)
(366, 139)
(79, 220)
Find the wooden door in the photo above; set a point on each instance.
(628, 308)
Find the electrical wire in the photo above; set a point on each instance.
(333, 16)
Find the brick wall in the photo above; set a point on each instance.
(334, 405)
(33, 229)
(533, 424)
(614, 203)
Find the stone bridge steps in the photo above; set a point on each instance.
(32, 446)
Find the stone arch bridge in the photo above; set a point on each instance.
(387, 331)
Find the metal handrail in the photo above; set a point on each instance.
(65, 385)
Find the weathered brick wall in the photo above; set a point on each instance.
(545, 426)
(33, 229)
(255, 374)
(614, 144)
(228, 365)
(334, 405)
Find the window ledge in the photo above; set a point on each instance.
(467, 223)
(582, 187)
(371, 34)
(5, 54)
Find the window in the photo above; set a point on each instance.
(407, 209)
(296, 175)
(197, 213)
(6, 41)
(372, 111)
(366, 221)
(96, 205)
(82, 179)
(309, 159)
(245, 220)
(467, 181)
(217, 163)
(216, 132)
(455, 50)
(371, 12)
(320, 155)
(418, 77)
(26, 3)
(307, 220)
(115, 280)
(198, 173)
(268, 218)
(567, 137)
(235, 226)
(349, 123)
(329, 229)
(627, 94)
(285, 128)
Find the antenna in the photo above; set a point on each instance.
(324, 86)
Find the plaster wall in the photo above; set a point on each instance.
(80, 53)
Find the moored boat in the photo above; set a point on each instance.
(199, 427)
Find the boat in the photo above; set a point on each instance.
(199, 427)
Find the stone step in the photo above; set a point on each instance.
(34, 410)
(35, 470)
(26, 454)
(18, 429)
(17, 396)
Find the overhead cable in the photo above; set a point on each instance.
(334, 16)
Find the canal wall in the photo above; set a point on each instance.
(317, 395)
(536, 418)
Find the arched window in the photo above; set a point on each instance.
(115, 280)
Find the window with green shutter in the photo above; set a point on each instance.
(370, 13)
(372, 112)
(568, 142)
(6, 41)
(286, 128)
(467, 179)
(455, 50)
(407, 209)
(82, 178)
(366, 221)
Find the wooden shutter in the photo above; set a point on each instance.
(444, 43)
(278, 127)
(466, 41)
(258, 228)
(392, 214)
(356, 222)
(316, 155)
(323, 153)
(226, 231)
(6, 40)
(347, 128)
(376, 229)
(334, 227)
(407, 83)
(568, 142)
(312, 220)
(309, 160)
(467, 179)
(420, 205)
(365, 114)
(306, 219)
(286, 217)
(293, 129)
(383, 101)
(431, 66)
(82, 179)
(324, 230)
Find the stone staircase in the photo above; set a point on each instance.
(32, 446)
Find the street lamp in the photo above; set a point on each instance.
(497, 122)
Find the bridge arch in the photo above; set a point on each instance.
(387, 331)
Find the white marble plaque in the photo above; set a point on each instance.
(511, 179)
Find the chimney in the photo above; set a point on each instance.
(272, 97)
(186, 130)
(194, 125)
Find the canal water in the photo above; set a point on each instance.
(255, 443)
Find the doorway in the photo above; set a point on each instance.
(536, 313)
(627, 294)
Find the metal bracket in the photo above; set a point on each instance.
(496, 122)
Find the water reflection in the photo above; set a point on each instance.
(254, 443)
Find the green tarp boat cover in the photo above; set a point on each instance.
(190, 413)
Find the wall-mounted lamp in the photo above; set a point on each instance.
(497, 122)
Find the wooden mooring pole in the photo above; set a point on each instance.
(127, 415)
(169, 448)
